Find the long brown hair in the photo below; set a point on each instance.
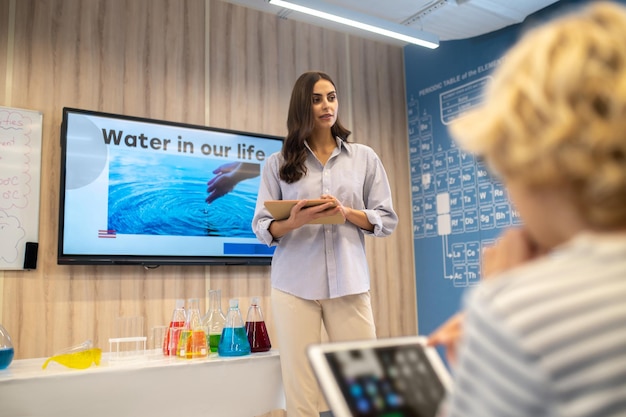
(300, 124)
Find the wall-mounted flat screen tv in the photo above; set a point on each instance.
(140, 191)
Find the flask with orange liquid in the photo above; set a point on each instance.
(192, 341)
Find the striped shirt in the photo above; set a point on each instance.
(549, 338)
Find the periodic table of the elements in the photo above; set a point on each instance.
(453, 193)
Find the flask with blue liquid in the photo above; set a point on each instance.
(6, 349)
(234, 340)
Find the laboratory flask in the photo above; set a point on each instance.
(214, 319)
(255, 328)
(234, 340)
(6, 348)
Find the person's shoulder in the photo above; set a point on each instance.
(358, 146)
(360, 149)
(525, 287)
(274, 161)
(276, 154)
(517, 279)
(275, 157)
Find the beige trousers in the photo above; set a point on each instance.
(298, 324)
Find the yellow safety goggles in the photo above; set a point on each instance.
(77, 357)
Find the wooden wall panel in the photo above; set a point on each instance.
(5, 32)
(201, 62)
(144, 58)
(378, 98)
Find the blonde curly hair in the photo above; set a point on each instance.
(555, 112)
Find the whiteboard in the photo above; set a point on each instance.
(20, 175)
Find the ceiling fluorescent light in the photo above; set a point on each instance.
(360, 21)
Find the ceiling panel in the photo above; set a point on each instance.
(448, 19)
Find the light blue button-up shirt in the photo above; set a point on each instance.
(320, 261)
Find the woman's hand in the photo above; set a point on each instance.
(449, 335)
(301, 215)
(227, 176)
(515, 247)
(356, 217)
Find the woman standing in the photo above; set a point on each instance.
(319, 271)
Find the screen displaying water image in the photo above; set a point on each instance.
(137, 190)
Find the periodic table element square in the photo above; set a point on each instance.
(444, 226)
(443, 203)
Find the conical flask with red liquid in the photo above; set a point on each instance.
(177, 323)
(255, 328)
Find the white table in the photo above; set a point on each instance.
(247, 386)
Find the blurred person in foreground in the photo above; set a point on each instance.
(545, 333)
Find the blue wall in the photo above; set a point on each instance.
(457, 207)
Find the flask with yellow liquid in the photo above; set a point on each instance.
(192, 340)
(77, 357)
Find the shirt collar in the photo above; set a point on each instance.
(341, 144)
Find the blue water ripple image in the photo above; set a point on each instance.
(161, 194)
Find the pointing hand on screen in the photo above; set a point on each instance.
(227, 176)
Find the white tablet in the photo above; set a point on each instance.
(394, 377)
(280, 209)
